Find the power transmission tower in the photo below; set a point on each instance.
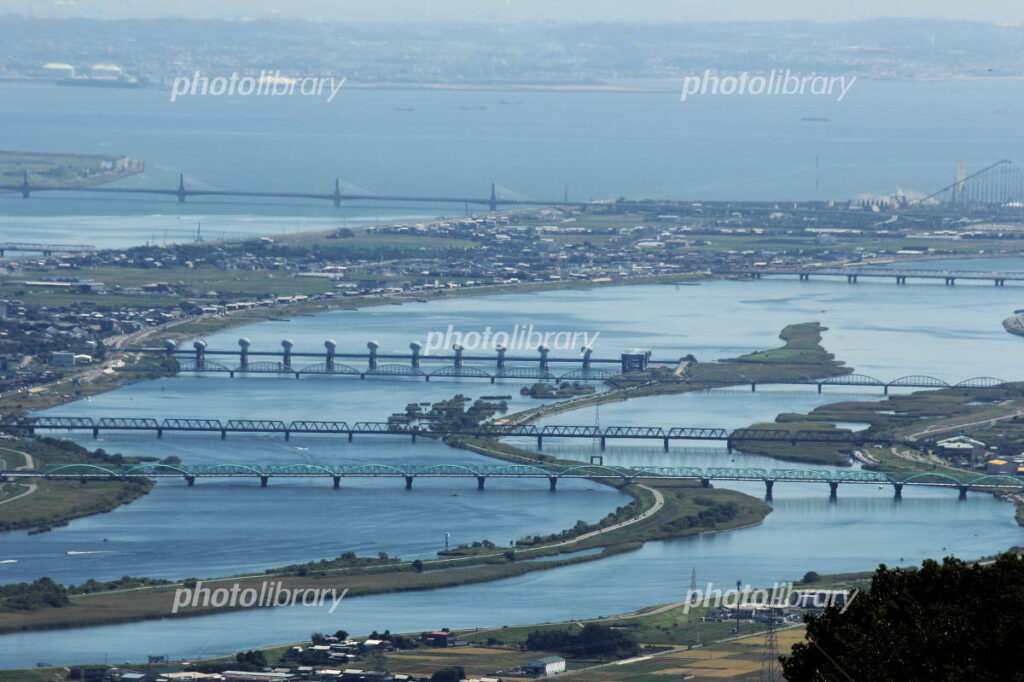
(770, 655)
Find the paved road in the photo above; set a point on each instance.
(29, 464)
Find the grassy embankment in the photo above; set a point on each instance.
(915, 419)
(54, 503)
(75, 170)
(801, 357)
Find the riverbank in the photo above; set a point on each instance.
(42, 504)
(44, 169)
(668, 511)
(121, 368)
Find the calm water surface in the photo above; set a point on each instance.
(234, 526)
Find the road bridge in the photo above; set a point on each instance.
(480, 473)
(337, 197)
(45, 249)
(897, 274)
(349, 430)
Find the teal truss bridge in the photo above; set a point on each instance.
(665, 434)
(552, 473)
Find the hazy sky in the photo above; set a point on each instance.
(531, 10)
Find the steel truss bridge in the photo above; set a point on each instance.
(899, 275)
(351, 429)
(612, 474)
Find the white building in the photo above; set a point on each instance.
(545, 667)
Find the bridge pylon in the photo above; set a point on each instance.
(181, 188)
(337, 193)
(492, 203)
(24, 184)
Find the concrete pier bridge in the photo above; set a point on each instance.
(963, 483)
(898, 275)
(602, 435)
(501, 366)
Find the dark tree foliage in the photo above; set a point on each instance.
(945, 622)
(38, 594)
(451, 674)
(593, 640)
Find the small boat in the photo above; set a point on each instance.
(8, 561)
(71, 552)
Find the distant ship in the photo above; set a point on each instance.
(101, 82)
(815, 119)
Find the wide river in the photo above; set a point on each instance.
(234, 526)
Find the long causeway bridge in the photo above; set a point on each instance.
(337, 197)
(611, 474)
(899, 275)
(366, 428)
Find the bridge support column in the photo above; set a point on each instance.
(349, 436)
(190, 480)
(223, 434)
(705, 482)
(480, 482)
(159, 434)
(553, 483)
(408, 482)
(337, 482)
(95, 433)
(540, 442)
(413, 434)
(885, 389)
(963, 491)
(665, 444)
(264, 480)
(819, 388)
(833, 489)
(728, 446)
(602, 443)
(753, 387)
(288, 434)
(852, 279)
(898, 491)
(597, 459)
(768, 489)
(804, 277)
